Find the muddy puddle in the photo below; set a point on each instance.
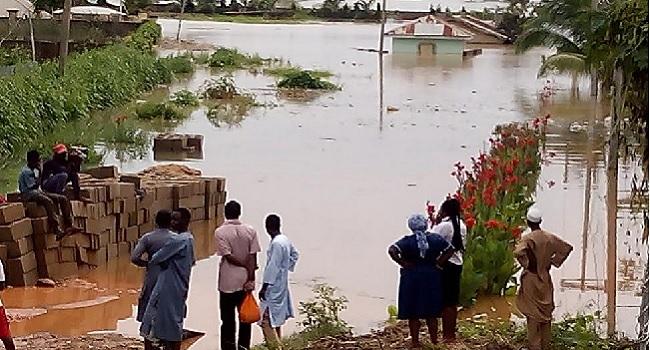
(345, 177)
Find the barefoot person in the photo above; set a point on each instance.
(148, 245)
(275, 298)
(166, 310)
(420, 257)
(537, 252)
(237, 245)
(454, 231)
(29, 182)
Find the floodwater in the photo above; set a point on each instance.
(345, 177)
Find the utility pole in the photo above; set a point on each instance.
(65, 35)
(180, 19)
(612, 200)
(382, 27)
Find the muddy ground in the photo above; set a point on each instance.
(46, 341)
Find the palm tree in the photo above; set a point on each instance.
(570, 27)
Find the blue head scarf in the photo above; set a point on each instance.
(418, 223)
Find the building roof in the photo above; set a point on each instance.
(90, 10)
(430, 27)
(23, 6)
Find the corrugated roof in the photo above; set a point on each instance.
(429, 26)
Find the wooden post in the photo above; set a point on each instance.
(612, 202)
(180, 20)
(382, 27)
(65, 35)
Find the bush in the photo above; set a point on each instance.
(324, 310)
(220, 89)
(305, 80)
(154, 110)
(10, 56)
(232, 58)
(145, 37)
(184, 98)
(178, 64)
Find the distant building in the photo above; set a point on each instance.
(283, 5)
(429, 36)
(24, 7)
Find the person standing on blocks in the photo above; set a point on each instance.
(237, 245)
(537, 252)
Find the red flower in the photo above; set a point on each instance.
(470, 222)
(493, 223)
(516, 232)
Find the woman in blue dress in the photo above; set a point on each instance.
(420, 257)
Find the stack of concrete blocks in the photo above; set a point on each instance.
(122, 208)
(17, 246)
(178, 146)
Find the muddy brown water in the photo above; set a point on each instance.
(345, 177)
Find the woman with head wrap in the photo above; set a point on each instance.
(420, 294)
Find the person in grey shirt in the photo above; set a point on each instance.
(150, 244)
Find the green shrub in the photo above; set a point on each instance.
(10, 56)
(145, 37)
(324, 310)
(302, 79)
(232, 58)
(184, 98)
(155, 110)
(222, 88)
(284, 72)
(179, 64)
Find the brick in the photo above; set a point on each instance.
(40, 226)
(221, 184)
(14, 197)
(143, 216)
(132, 234)
(97, 257)
(45, 241)
(33, 210)
(135, 179)
(83, 240)
(146, 200)
(182, 190)
(78, 209)
(16, 230)
(67, 254)
(222, 197)
(11, 212)
(192, 202)
(145, 228)
(121, 221)
(90, 193)
(112, 190)
(210, 212)
(112, 251)
(96, 210)
(99, 240)
(124, 249)
(23, 280)
(103, 172)
(19, 247)
(127, 205)
(198, 214)
(164, 192)
(76, 240)
(21, 265)
(82, 255)
(133, 218)
(47, 256)
(127, 190)
(221, 216)
(64, 270)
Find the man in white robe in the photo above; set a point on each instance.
(275, 298)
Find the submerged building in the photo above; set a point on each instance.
(429, 36)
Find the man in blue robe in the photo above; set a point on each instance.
(275, 298)
(167, 309)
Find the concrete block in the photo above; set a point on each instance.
(11, 212)
(103, 172)
(16, 230)
(19, 247)
(97, 257)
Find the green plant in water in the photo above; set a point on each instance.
(223, 88)
(301, 79)
(179, 64)
(154, 110)
(284, 72)
(232, 58)
(184, 98)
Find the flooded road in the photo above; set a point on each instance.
(345, 177)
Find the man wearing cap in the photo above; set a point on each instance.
(537, 252)
(58, 171)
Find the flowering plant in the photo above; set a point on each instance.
(495, 193)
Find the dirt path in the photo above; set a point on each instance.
(45, 341)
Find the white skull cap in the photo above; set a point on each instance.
(534, 215)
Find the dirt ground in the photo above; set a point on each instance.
(46, 341)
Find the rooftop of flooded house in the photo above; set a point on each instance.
(429, 26)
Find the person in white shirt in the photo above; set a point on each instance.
(452, 228)
(5, 332)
